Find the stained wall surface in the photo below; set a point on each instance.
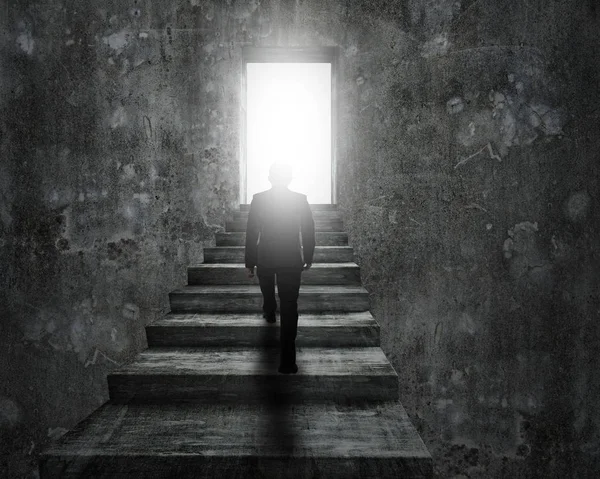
(468, 172)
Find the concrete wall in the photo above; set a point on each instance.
(471, 182)
(468, 139)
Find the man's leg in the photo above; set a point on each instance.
(288, 287)
(266, 280)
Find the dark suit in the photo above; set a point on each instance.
(276, 221)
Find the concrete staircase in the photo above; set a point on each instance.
(205, 399)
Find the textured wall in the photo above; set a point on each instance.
(468, 140)
(470, 179)
(118, 155)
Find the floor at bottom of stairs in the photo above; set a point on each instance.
(188, 440)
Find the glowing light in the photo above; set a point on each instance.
(289, 120)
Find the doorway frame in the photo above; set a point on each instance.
(251, 54)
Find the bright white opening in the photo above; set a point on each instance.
(289, 120)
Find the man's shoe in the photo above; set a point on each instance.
(270, 317)
(288, 369)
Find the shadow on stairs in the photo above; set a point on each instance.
(205, 399)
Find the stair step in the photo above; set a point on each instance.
(323, 238)
(190, 441)
(319, 215)
(235, 254)
(321, 224)
(313, 206)
(250, 374)
(251, 330)
(235, 273)
(244, 299)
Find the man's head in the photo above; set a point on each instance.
(280, 174)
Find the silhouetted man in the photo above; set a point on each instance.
(277, 219)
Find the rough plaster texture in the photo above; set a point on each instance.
(468, 175)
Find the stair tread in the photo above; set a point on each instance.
(242, 265)
(346, 264)
(322, 238)
(345, 247)
(255, 289)
(243, 320)
(313, 206)
(251, 330)
(244, 361)
(321, 224)
(176, 430)
(324, 233)
(223, 273)
(322, 254)
(317, 213)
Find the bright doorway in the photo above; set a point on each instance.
(288, 116)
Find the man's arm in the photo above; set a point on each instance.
(307, 228)
(252, 231)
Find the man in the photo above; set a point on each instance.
(276, 220)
